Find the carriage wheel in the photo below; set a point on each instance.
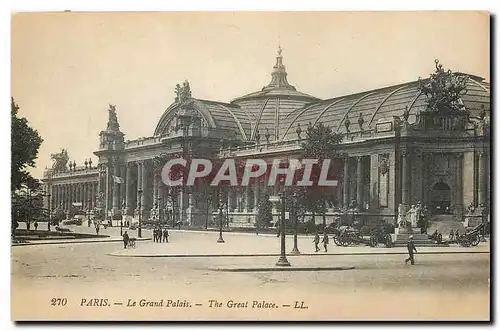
(345, 241)
(475, 240)
(465, 242)
(337, 241)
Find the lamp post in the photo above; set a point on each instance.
(293, 213)
(139, 230)
(221, 199)
(282, 261)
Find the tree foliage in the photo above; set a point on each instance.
(25, 142)
(264, 211)
(323, 144)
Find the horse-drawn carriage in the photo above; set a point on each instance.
(472, 237)
(348, 235)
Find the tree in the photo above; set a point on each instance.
(323, 144)
(265, 210)
(27, 203)
(25, 142)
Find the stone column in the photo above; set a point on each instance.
(128, 189)
(256, 196)
(107, 193)
(156, 185)
(481, 191)
(139, 185)
(374, 182)
(85, 198)
(62, 196)
(459, 198)
(359, 184)
(72, 194)
(406, 178)
(69, 196)
(247, 198)
(345, 183)
(144, 186)
(116, 188)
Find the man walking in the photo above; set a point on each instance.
(325, 241)
(411, 247)
(125, 239)
(165, 235)
(316, 241)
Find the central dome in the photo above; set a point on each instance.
(270, 107)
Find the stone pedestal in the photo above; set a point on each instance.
(401, 236)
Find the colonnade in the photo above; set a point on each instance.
(65, 195)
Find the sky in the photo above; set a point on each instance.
(67, 67)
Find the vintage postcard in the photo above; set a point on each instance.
(251, 166)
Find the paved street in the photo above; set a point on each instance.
(441, 286)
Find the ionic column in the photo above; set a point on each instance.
(128, 189)
(107, 189)
(459, 199)
(247, 198)
(62, 196)
(116, 188)
(345, 184)
(144, 185)
(359, 184)
(481, 196)
(65, 196)
(256, 196)
(406, 178)
(139, 185)
(155, 189)
(71, 189)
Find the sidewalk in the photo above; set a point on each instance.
(204, 244)
(75, 241)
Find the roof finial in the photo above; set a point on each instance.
(279, 50)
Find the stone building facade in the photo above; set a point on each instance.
(402, 144)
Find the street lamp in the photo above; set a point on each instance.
(293, 213)
(139, 230)
(282, 262)
(221, 199)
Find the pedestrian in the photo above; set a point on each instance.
(451, 236)
(316, 241)
(165, 235)
(97, 228)
(325, 241)
(36, 225)
(155, 235)
(125, 239)
(411, 247)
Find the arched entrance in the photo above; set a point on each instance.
(441, 199)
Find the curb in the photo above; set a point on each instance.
(75, 242)
(305, 254)
(282, 269)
